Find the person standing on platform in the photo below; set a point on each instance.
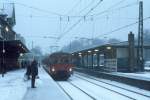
(28, 71)
(34, 72)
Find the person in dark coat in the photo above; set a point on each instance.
(28, 71)
(34, 72)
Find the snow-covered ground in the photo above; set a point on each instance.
(100, 90)
(75, 93)
(127, 90)
(79, 86)
(13, 87)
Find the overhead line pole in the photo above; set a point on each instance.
(140, 58)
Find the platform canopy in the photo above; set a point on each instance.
(12, 47)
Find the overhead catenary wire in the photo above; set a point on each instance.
(79, 12)
(42, 37)
(92, 15)
(120, 28)
(123, 27)
(66, 15)
(74, 7)
(39, 9)
(92, 1)
(110, 9)
(79, 20)
(71, 16)
(44, 11)
(103, 12)
(70, 12)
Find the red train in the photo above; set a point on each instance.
(60, 65)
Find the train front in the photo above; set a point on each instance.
(61, 66)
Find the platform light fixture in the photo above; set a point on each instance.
(6, 28)
(95, 54)
(4, 51)
(80, 53)
(21, 54)
(53, 69)
(108, 48)
(96, 50)
(101, 55)
(89, 51)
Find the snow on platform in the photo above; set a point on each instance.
(13, 87)
(138, 75)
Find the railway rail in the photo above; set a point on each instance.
(71, 97)
(64, 91)
(83, 77)
(131, 98)
(91, 95)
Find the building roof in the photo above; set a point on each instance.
(123, 44)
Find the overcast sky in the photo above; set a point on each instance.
(38, 18)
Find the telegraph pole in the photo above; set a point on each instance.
(140, 58)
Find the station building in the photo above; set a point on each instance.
(10, 47)
(115, 57)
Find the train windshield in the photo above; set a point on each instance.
(60, 59)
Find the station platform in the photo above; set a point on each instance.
(136, 75)
(14, 87)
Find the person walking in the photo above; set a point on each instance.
(34, 72)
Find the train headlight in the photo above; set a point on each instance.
(70, 69)
(53, 69)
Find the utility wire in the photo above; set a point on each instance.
(74, 7)
(39, 9)
(48, 37)
(79, 20)
(70, 12)
(123, 27)
(92, 1)
(70, 16)
(110, 9)
(79, 13)
(62, 15)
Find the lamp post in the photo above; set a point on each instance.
(3, 63)
(6, 29)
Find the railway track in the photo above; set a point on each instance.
(83, 91)
(128, 90)
(64, 91)
(93, 98)
(109, 89)
(71, 97)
